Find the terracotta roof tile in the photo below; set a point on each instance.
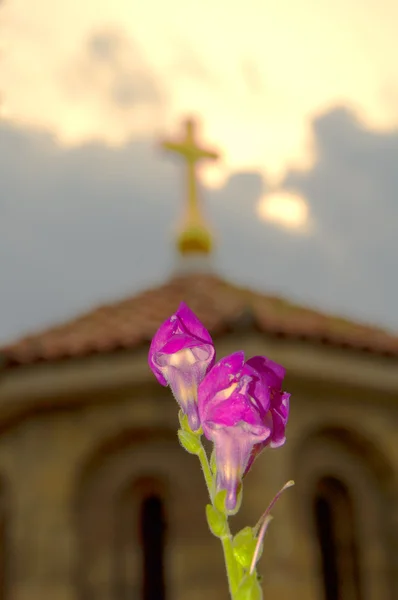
(220, 305)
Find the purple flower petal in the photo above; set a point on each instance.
(242, 410)
(280, 415)
(255, 451)
(180, 355)
(161, 337)
(272, 372)
(232, 448)
(224, 374)
(192, 325)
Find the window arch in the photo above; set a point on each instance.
(337, 539)
(140, 541)
(124, 487)
(345, 499)
(152, 530)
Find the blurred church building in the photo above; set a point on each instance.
(99, 502)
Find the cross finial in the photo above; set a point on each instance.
(195, 236)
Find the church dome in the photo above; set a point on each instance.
(194, 239)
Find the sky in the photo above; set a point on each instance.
(299, 98)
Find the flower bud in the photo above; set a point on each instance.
(181, 354)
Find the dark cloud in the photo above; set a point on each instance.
(85, 225)
(352, 190)
(114, 69)
(78, 225)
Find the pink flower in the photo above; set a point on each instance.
(181, 354)
(242, 409)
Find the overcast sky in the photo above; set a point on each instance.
(302, 107)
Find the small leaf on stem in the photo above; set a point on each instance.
(189, 441)
(249, 588)
(219, 501)
(216, 521)
(244, 546)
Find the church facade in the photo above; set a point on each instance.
(99, 501)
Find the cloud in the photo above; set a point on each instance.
(78, 225)
(106, 46)
(352, 190)
(188, 64)
(85, 225)
(114, 70)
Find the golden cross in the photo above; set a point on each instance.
(192, 153)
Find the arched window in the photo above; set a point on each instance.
(140, 536)
(122, 519)
(336, 533)
(152, 543)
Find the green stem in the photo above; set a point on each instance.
(234, 570)
(206, 472)
(234, 574)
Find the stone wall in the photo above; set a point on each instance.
(65, 466)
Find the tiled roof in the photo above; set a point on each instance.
(220, 305)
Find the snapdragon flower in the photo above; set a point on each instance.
(242, 409)
(180, 355)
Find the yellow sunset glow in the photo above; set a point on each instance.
(285, 209)
(255, 72)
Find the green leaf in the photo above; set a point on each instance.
(213, 464)
(249, 588)
(219, 501)
(216, 521)
(182, 417)
(189, 441)
(184, 423)
(244, 545)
